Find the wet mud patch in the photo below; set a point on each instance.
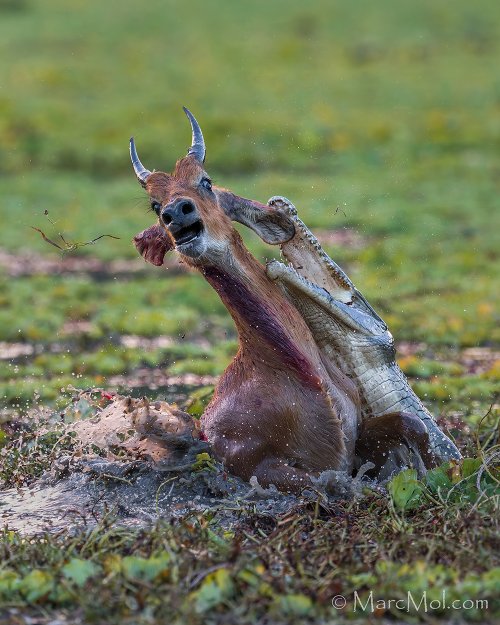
(133, 495)
(137, 495)
(137, 462)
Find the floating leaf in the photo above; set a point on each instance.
(79, 571)
(36, 585)
(405, 489)
(216, 588)
(146, 569)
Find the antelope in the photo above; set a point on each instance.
(281, 411)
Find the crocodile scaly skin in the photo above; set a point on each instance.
(347, 329)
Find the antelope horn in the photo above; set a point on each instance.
(197, 148)
(140, 171)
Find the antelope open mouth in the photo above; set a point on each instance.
(188, 233)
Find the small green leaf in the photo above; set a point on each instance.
(470, 466)
(36, 585)
(297, 604)
(438, 480)
(146, 569)
(216, 588)
(405, 489)
(8, 582)
(203, 461)
(79, 571)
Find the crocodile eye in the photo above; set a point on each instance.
(155, 206)
(206, 183)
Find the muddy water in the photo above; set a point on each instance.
(132, 494)
(135, 494)
(150, 463)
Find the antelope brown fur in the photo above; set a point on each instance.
(279, 412)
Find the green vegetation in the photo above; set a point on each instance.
(287, 569)
(380, 122)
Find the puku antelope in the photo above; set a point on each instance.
(281, 411)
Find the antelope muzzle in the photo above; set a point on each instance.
(183, 222)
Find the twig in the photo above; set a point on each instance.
(69, 247)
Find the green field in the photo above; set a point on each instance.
(381, 122)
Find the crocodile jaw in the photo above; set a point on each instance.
(308, 258)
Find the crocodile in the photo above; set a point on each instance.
(352, 335)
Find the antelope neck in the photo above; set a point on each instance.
(269, 327)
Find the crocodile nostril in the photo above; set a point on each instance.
(187, 208)
(166, 218)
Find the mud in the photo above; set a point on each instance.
(136, 495)
(136, 462)
(132, 494)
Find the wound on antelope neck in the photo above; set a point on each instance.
(255, 319)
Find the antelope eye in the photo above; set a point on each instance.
(206, 183)
(155, 206)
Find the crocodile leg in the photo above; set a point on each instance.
(394, 441)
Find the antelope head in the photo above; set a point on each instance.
(194, 216)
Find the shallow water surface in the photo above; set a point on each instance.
(137, 494)
(133, 494)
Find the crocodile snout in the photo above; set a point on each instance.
(282, 203)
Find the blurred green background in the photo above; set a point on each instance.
(380, 121)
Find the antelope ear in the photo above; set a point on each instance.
(272, 226)
(152, 244)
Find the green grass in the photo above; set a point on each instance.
(383, 119)
(287, 569)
